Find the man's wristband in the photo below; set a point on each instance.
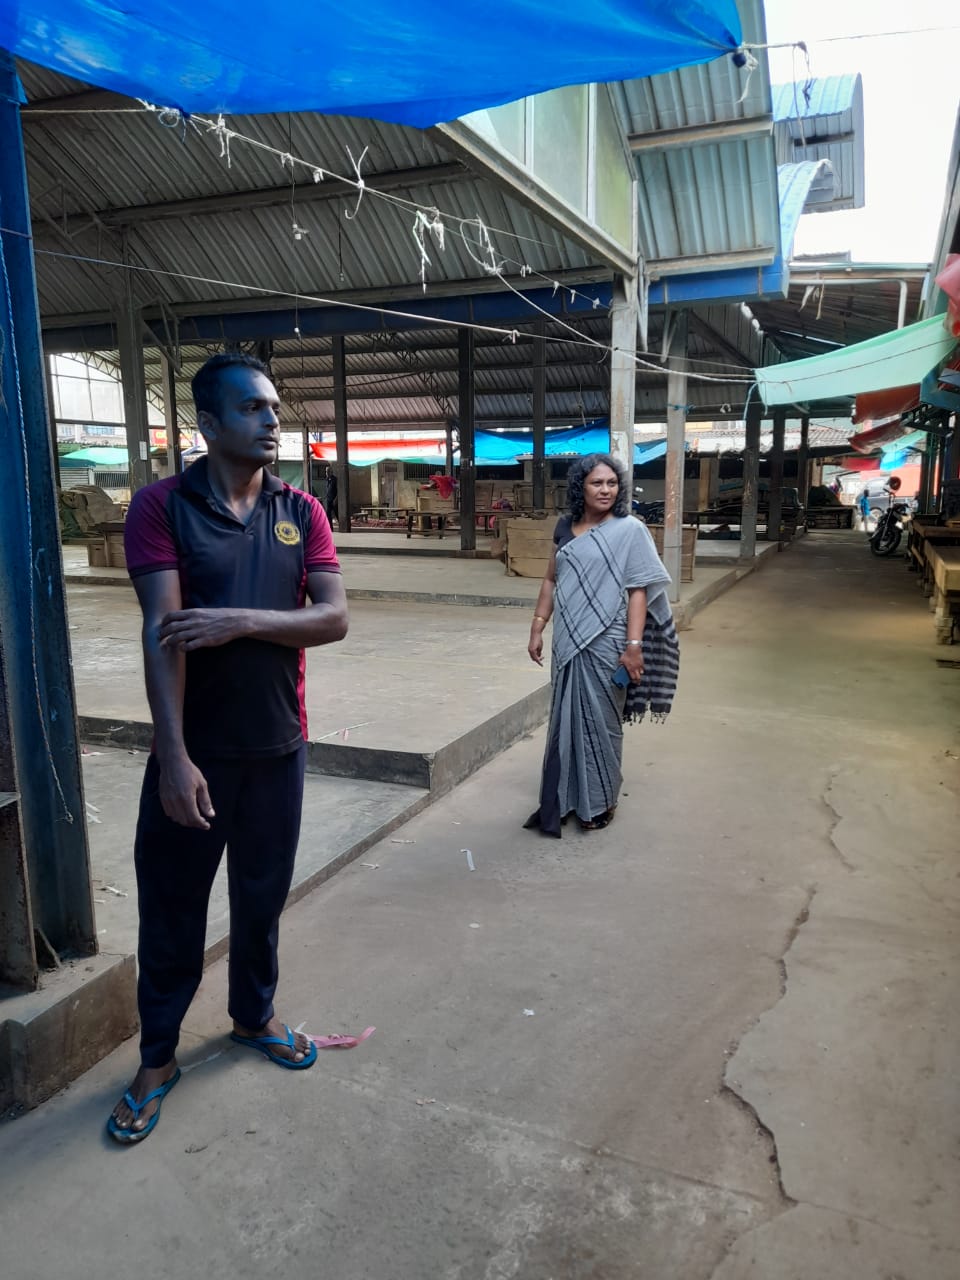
(538, 617)
(634, 642)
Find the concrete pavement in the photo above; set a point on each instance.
(718, 1039)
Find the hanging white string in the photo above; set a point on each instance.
(438, 322)
(422, 226)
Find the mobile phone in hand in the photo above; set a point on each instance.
(621, 677)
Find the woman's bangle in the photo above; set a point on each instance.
(538, 617)
(634, 642)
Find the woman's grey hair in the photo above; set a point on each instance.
(581, 468)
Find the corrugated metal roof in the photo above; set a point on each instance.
(798, 184)
(713, 200)
(822, 119)
(90, 173)
(822, 96)
(705, 202)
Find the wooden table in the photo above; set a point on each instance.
(925, 535)
(945, 564)
(829, 516)
(383, 512)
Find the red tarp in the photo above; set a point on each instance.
(877, 406)
(362, 451)
(949, 282)
(886, 433)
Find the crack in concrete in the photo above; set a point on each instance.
(835, 819)
(787, 1202)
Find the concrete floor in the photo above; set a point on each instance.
(740, 1059)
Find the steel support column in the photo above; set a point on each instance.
(18, 954)
(305, 448)
(676, 443)
(936, 472)
(168, 377)
(340, 426)
(751, 482)
(133, 379)
(926, 471)
(33, 622)
(803, 461)
(468, 465)
(539, 418)
(624, 315)
(953, 452)
(775, 491)
(51, 410)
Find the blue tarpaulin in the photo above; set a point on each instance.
(415, 63)
(505, 447)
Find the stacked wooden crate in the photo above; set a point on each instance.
(528, 543)
(106, 550)
(688, 549)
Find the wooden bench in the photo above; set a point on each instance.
(830, 517)
(927, 535)
(945, 565)
(383, 515)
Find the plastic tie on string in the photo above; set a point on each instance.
(221, 131)
(360, 183)
(341, 1042)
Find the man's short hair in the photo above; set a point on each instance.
(206, 381)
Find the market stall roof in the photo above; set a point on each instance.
(702, 143)
(822, 120)
(438, 63)
(833, 302)
(892, 359)
(102, 456)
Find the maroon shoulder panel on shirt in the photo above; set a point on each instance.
(148, 540)
(320, 552)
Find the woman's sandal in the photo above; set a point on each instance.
(598, 823)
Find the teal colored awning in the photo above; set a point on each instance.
(892, 360)
(96, 456)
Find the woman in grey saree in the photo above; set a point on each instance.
(605, 589)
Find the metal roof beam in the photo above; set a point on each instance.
(402, 293)
(699, 135)
(298, 395)
(713, 336)
(267, 197)
(439, 424)
(503, 310)
(759, 256)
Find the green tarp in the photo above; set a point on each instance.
(893, 360)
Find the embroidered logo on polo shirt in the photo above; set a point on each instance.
(286, 533)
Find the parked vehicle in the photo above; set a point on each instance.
(649, 512)
(891, 522)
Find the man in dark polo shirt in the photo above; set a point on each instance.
(224, 560)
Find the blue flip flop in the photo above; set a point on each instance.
(263, 1043)
(127, 1136)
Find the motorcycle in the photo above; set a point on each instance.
(890, 523)
(648, 512)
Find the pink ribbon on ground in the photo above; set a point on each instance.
(341, 1042)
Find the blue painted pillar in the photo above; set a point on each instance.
(33, 622)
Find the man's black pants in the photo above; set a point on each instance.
(257, 804)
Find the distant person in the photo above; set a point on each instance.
(863, 505)
(330, 504)
(605, 588)
(223, 559)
